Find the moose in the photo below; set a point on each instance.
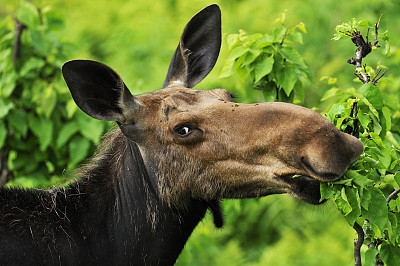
(175, 154)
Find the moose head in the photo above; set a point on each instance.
(199, 143)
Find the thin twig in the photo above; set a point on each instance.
(392, 195)
(376, 78)
(376, 32)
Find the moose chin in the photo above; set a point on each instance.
(176, 153)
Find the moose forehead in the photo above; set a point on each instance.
(181, 98)
(182, 95)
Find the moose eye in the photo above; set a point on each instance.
(183, 131)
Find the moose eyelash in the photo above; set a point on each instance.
(234, 96)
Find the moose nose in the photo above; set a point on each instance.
(353, 147)
(328, 160)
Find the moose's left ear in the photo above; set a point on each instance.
(98, 90)
(198, 49)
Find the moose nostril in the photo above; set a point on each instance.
(317, 171)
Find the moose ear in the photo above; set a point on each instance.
(198, 49)
(98, 90)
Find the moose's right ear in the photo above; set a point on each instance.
(98, 90)
(198, 49)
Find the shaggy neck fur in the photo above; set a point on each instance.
(112, 216)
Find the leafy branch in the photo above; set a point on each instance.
(365, 196)
(269, 62)
(35, 108)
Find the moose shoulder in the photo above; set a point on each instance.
(176, 153)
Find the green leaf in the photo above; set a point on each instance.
(365, 23)
(292, 55)
(345, 182)
(386, 51)
(377, 212)
(231, 40)
(297, 37)
(32, 64)
(358, 179)
(263, 67)
(385, 157)
(387, 116)
(336, 109)
(397, 178)
(279, 33)
(47, 101)
(364, 119)
(71, 108)
(375, 137)
(328, 191)
(354, 200)
(18, 120)
(236, 53)
(67, 131)
(377, 126)
(40, 42)
(250, 56)
(373, 96)
(5, 107)
(342, 203)
(286, 78)
(50, 166)
(301, 26)
(366, 198)
(7, 83)
(264, 42)
(28, 14)
(226, 71)
(329, 94)
(12, 156)
(370, 255)
(269, 92)
(90, 128)
(390, 254)
(43, 129)
(392, 228)
(281, 18)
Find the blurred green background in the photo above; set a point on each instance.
(137, 39)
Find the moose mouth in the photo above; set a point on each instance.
(304, 188)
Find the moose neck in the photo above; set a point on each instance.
(143, 229)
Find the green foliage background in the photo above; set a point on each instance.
(137, 38)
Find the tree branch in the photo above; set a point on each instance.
(358, 243)
(392, 195)
(19, 28)
(363, 49)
